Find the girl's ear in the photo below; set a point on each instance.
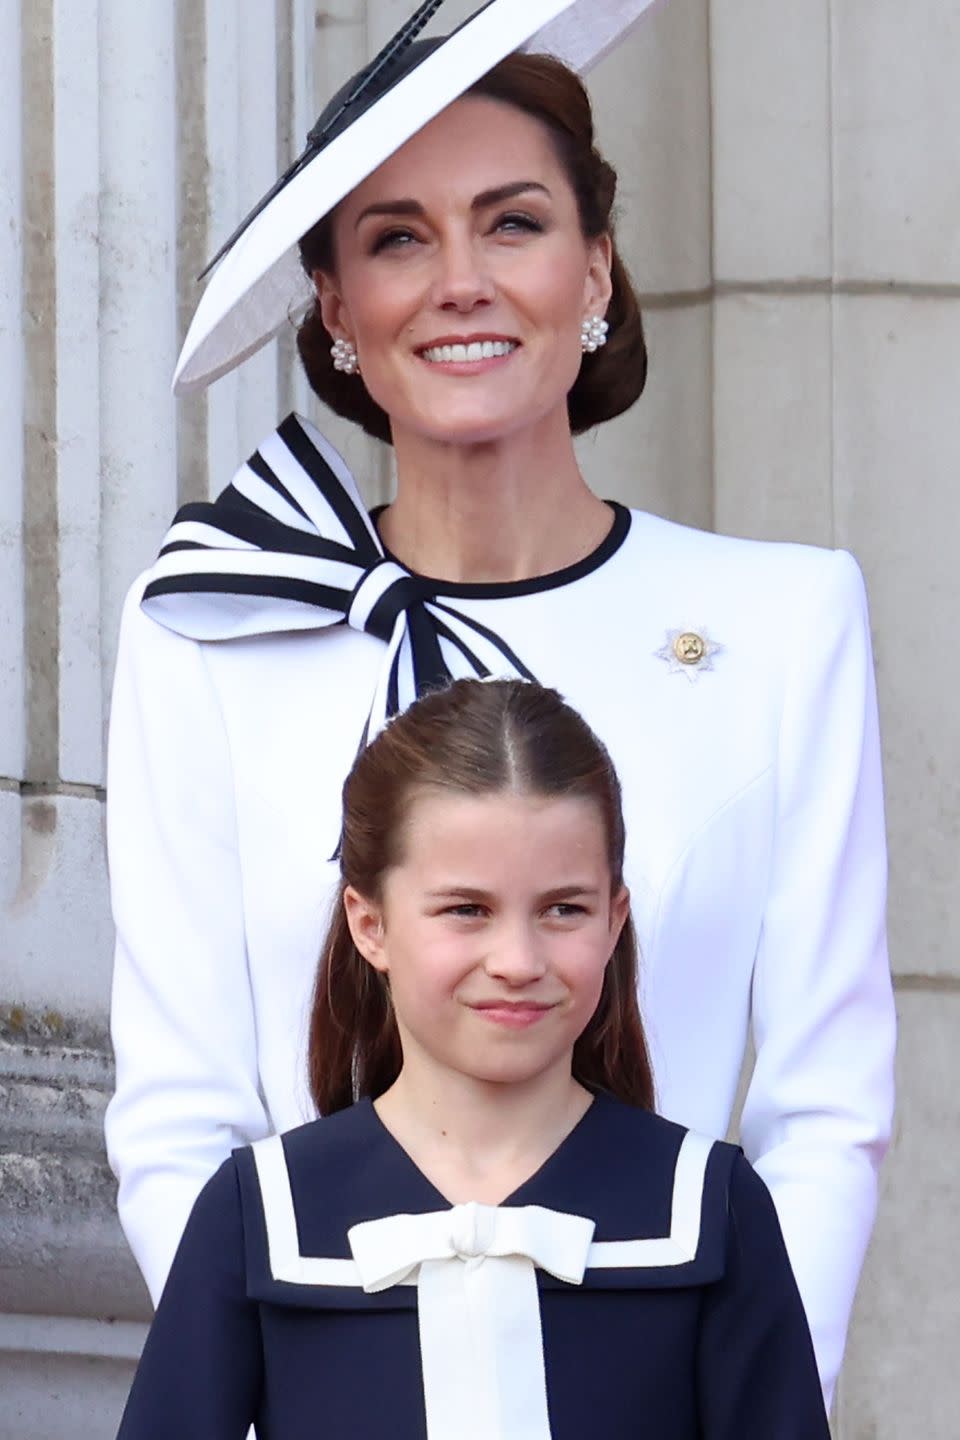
(365, 922)
(619, 913)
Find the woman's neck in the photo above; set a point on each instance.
(476, 1140)
(499, 512)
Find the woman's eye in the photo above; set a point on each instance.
(464, 911)
(393, 240)
(518, 220)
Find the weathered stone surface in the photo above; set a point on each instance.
(61, 1249)
(651, 99)
(772, 405)
(56, 939)
(12, 658)
(900, 1377)
(896, 438)
(895, 122)
(52, 1394)
(138, 307)
(770, 83)
(76, 245)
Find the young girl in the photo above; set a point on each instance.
(491, 1236)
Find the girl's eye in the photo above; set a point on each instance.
(465, 911)
(518, 220)
(564, 911)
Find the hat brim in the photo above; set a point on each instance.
(259, 286)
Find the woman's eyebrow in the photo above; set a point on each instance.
(390, 207)
(506, 192)
(480, 202)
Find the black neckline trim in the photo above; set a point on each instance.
(507, 589)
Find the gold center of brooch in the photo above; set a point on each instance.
(689, 648)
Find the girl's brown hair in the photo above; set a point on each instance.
(473, 738)
(612, 378)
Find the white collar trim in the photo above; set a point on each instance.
(289, 1265)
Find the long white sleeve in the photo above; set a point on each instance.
(817, 1116)
(183, 1024)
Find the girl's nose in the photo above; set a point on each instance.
(516, 956)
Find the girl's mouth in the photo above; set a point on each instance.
(519, 1016)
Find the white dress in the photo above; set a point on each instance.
(753, 805)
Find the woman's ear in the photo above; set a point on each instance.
(598, 290)
(330, 303)
(365, 923)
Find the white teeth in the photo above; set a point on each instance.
(465, 354)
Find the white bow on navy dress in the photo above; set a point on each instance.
(289, 546)
(481, 1342)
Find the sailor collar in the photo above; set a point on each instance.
(654, 1195)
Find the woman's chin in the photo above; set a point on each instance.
(467, 426)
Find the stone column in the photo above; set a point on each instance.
(837, 276)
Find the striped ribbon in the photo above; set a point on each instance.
(289, 546)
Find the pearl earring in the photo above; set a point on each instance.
(593, 334)
(345, 357)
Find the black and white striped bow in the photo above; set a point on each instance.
(289, 546)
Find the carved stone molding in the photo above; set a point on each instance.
(62, 1252)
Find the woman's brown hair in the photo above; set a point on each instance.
(612, 378)
(473, 738)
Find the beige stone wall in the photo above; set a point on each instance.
(791, 211)
(837, 355)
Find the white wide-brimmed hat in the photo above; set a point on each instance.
(258, 286)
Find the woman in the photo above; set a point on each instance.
(752, 793)
(500, 1197)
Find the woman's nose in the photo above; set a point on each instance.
(462, 281)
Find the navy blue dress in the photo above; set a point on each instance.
(714, 1346)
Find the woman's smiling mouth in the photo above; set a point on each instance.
(468, 352)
